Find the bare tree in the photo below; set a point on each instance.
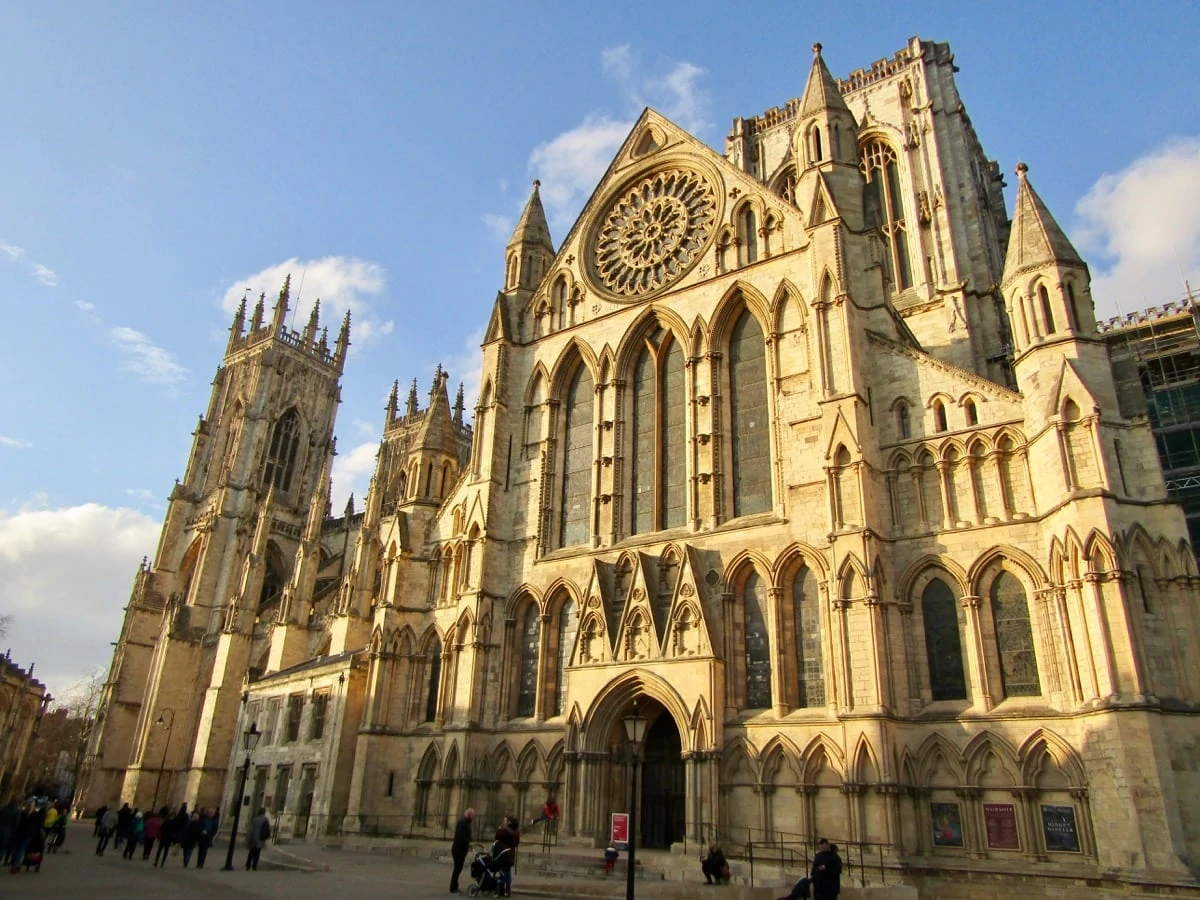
(5, 621)
(82, 702)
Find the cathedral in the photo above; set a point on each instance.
(806, 450)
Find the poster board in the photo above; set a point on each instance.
(947, 824)
(620, 830)
(1059, 829)
(1000, 822)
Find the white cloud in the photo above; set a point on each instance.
(139, 493)
(45, 275)
(1141, 226)
(12, 251)
(14, 442)
(501, 227)
(341, 283)
(570, 165)
(85, 305)
(352, 473)
(145, 359)
(65, 575)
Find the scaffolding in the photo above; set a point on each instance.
(1156, 356)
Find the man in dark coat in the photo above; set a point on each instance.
(458, 849)
(826, 871)
(504, 852)
(257, 836)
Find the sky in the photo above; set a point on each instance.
(158, 159)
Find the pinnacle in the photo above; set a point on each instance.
(822, 91)
(1036, 239)
(532, 227)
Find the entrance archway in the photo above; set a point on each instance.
(663, 801)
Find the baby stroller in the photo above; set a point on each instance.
(486, 870)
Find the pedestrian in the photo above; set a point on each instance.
(826, 871)
(99, 815)
(151, 833)
(137, 831)
(550, 813)
(108, 824)
(191, 837)
(208, 831)
(58, 834)
(714, 865)
(166, 836)
(124, 820)
(504, 852)
(458, 849)
(257, 835)
(10, 819)
(28, 836)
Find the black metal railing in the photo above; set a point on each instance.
(863, 862)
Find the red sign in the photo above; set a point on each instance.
(620, 828)
(1001, 822)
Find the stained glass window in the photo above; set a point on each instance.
(1014, 637)
(530, 641)
(576, 461)
(568, 627)
(884, 208)
(749, 435)
(659, 496)
(756, 644)
(806, 614)
(435, 679)
(943, 645)
(281, 453)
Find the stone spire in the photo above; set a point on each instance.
(259, 307)
(343, 343)
(413, 406)
(239, 324)
(1035, 239)
(314, 319)
(530, 250)
(825, 148)
(392, 405)
(458, 407)
(281, 305)
(821, 93)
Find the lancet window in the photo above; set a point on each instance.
(1014, 637)
(756, 645)
(568, 627)
(530, 640)
(434, 665)
(884, 208)
(749, 440)
(806, 618)
(576, 461)
(281, 452)
(659, 467)
(943, 644)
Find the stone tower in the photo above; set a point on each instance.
(201, 617)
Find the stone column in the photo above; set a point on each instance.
(1089, 679)
(981, 682)
(543, 646)
(729, 644)
(778, 685)
(1069, 649)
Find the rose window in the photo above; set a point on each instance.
(654, 232)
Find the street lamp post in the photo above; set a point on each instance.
(250, 740)
(635, 730)
(169, 724)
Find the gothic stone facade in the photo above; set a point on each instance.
(806, 448)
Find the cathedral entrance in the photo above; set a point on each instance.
(664, 795)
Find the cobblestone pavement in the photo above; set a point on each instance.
(76, 873)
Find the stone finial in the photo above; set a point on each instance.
(816, 49)
(1022, 169)
(537, 183)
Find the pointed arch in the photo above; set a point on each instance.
(780, 756)
(932, 753)
(818, 753)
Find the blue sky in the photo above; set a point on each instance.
(156, 159)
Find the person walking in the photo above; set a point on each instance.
(10, 819)
(99, 815)
(137, 830)
(504, 852)
(166, 836)
(191, 837)
(257, 836)
(124, 820)
(208, 831)
(108, 824)
(826, 871)
(151, 833)
(460, 846)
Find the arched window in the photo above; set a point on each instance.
(971, 413)
(884, 208)
(568, 627)
(434, 665)
(1076, 321)
(943, 645)
(749, 439)
(806, 618)
(511, 277)
(903, 421)
(1047, 312)
(530, 641)
(817, 155)
(755, 643)
(939, 417)
(281, 452)
(576, 461)
(659, 467)
(560, 302)
(748, 226)
(1014, 637)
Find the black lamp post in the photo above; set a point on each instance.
(169, 724)
(635, 730)
(250, 738)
